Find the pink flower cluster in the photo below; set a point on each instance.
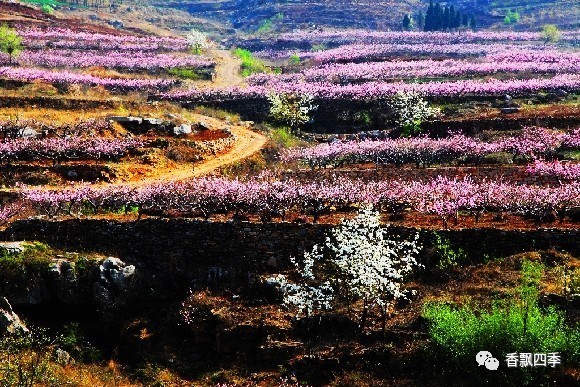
(65, 38)
(368, 52)
(564, 171)
(380, 90)
(533, 143)
(69, 77)
(462, 37)
(9, 211)
(376, 71)
(66, 148)
(11, 128)
(205, 196)
(137, 60)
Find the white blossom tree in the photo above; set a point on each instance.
(364, 263)
(198, 41)
(291, 110)
(371, 265)
(308, 297)
(409, 110)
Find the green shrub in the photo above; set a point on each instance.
(516, 325)
(448, 255)
(511, 17)
(47, 9)
(283, 138)
(318, 47)
(184, 73)
(294, 60)
(17, 270)
(250, 64)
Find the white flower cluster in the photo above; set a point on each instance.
(372, 265)
(410, 109)
(291, 110)
(198, 40)
(368, 263)
(304, 297)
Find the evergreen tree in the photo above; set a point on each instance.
(438, 18)
(446, 18)
(430, 18)
(421, 20)
(457, 22)
(407, 22)
(465, 21)
(452, 16)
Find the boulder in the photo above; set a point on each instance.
(9, 321)
(63, 358)
(116, 23)
(201, 125)
(12, 248)
(182, 129)
(28, 132)
(126, 120)
(114, 277)
(112, 263)
(152, 121)
(65, 282)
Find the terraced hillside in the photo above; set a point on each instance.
(253, 14)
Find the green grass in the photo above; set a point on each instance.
(517, 324)
(49, 3)
(184, 73)
(250, 64)
(216, 113)
(283, 138)
(571, 155)
(17, 270)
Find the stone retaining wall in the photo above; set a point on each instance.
(346, 116)
(512, 173)
(191, 245)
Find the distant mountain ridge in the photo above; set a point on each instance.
(250, 15)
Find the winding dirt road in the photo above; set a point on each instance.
(227, 69)
(247, 143)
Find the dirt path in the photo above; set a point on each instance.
(247, 143)
(227, 70)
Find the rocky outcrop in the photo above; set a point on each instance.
(9, 321)
(66, 282)
(115, 277)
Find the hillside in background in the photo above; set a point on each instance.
(250, 15)
(220, 16)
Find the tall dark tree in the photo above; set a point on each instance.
(465, 21)
(446, 18)
(457, 22)
(421, 20)
(438, 17)
(406, 22)
(473, 22)
(451, 16)
(430, 18)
